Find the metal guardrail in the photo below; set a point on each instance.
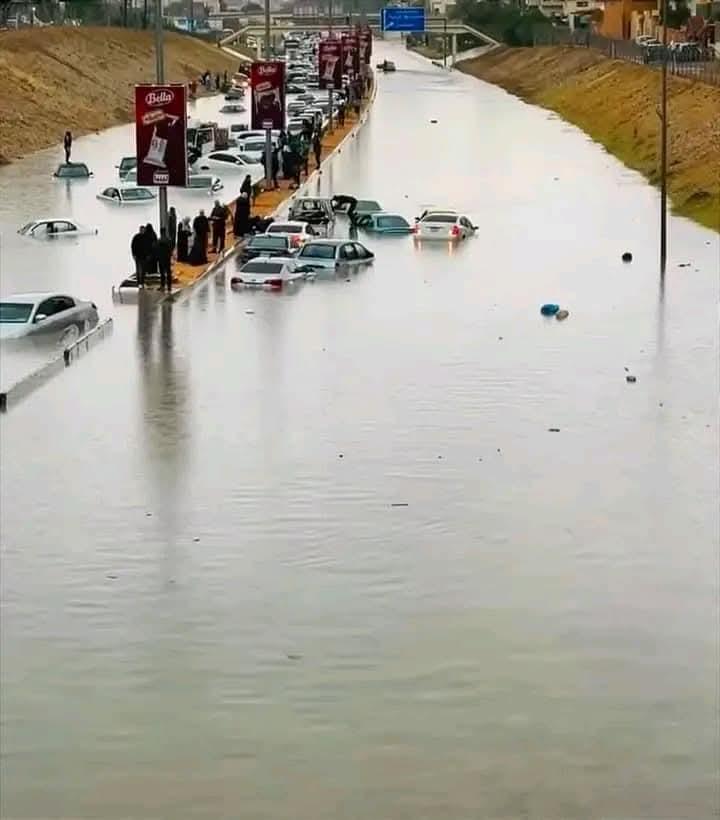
(704, 70)
(28, 384)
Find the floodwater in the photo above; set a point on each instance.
(211, 606)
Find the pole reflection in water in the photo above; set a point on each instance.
(165, 409)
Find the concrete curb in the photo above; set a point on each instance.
(186, 292)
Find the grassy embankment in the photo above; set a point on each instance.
(616, 104)
(82, 79)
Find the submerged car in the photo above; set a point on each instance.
(73, 170)
(236, 162)
(205, 183)
(314, 210)
(298, 232)
(55, 228)
(384, 223)
(126, 164)
(53, 317)
(127, 196)
(263, 244)
(233, 108)
(448, 226)
(333, 253)
(269, 272)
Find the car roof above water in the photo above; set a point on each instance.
(31, 297)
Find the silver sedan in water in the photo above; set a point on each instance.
(52, 317)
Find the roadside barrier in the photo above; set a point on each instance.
(28, 384)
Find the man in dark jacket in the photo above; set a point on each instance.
(218, 218)
(241, 225)
(162, 250)
(201, 228)
(317, 148)
(172, 226)
(67, 145)
(247, 186)
(275, 167)
(138, 251)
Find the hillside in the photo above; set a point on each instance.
(616, 104)
(82, 79)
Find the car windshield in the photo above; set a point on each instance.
(318, 252)
(127, 162)
(27, 228)
(136, 193)
(268, 242)
(448, 219)
(368, 205)
(253, 146)
(262, 267)
(77, 170)
(15, 312)
(392, 222)
(279, 227)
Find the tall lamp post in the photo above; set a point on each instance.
(268, 131)
(160, 79)
(331, 82)
(663, 142)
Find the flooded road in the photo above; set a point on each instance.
(210, 605)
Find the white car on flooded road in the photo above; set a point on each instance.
(297, 232)
(273, 272)
(227, 161)
(127, 196)
(447, 226)
(332, 254)
(47, 317)
(56, 228)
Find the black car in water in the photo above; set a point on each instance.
(266, 245)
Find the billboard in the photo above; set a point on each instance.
(267, 81)
(330, 64)
(402, 18)
(350, 55)
(160, 135)
(365, 45)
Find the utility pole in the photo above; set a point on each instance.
(332, 82)
(160, 79)
(445, 42)
(663, 142)
(268, 131)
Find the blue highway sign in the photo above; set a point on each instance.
(403, 18)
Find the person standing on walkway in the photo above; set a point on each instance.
(137, 249)
(67, 145)
(150, 260)
(341, 114)
(201, 229)
(218, 219)
(172, 226)
(183, 240)
(162, 251)
(241, 223)
(247, 186)
(317, 148)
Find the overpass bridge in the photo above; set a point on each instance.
(281, 24)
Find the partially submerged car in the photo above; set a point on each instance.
(233, 108)
(384, 223)
(267, 245)
(334, 254)
(204, 182)
(269, 272)
(448, 226)
(313, 210)
(298, 232)
(73, 170)
(52, 317)
(55, 228)
(127, 196)
(125, 165)
(386, 65)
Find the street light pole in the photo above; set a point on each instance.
(268, 131)
(160, 79)
(331, 82)
(663, 143)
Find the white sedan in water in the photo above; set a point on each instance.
(333, 254)
(59, 227)
(271, 272)
(448, 226)
(224, 161)
(53, 317)
(127, 196)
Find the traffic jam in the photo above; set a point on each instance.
(306, 89)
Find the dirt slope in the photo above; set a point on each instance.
(616, 104)
(82, 79)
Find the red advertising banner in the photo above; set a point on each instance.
(365, 46)
(160, 135)
(267, 80)
(351, 55)
(330, 64)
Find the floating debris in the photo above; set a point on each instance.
(549, 309)
(630, 379)
(196, 539)
(561, 315)
(249, 312)
(434, 122)
(111, 577)
(400, 504)
(340, 455)
(553, 429)
(293, 657)
(627, 257)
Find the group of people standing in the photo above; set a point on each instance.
(152, 255)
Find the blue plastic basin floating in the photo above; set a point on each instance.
(549, 309)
